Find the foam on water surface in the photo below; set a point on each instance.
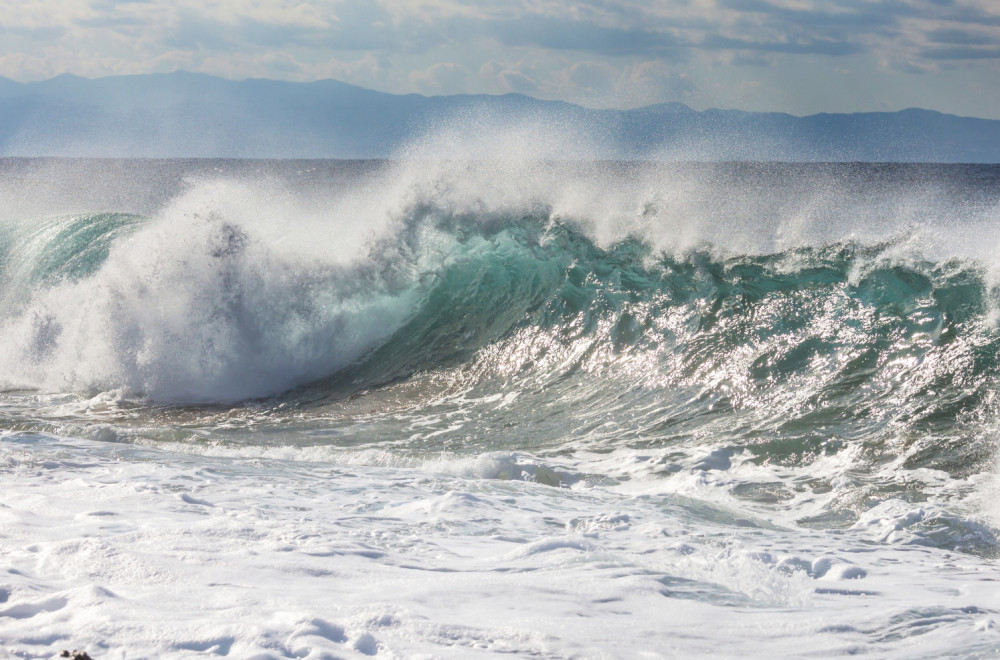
(131, 551)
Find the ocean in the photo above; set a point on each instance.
(456, 407)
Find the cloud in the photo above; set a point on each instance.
(598, 28)
(827, 15)
(747, 58)
(195, 29)
(559, 34)
(599, 84)
(41, 33)
(592, 78)
(441, 78)
(796, 47)
(364, 70)
(957, 36)
(596, 52)
(652, 82)
(518, 77)
(961, 53)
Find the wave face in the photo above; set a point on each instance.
(216, 300)
(856, 338)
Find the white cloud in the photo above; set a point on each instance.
(594, 78)
(441, 78)
(596, 52)
(517, 77)
(653, 81)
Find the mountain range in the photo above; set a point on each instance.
(195, 115)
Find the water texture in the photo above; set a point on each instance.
(524, 405)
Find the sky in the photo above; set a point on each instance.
(796, 56)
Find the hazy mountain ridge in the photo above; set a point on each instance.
(196, 115)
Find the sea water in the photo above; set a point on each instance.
(457, 406)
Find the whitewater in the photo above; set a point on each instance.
(501, 398)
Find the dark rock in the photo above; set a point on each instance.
(75, 655)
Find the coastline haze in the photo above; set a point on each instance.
(194, 115)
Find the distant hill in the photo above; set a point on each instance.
(195, 115)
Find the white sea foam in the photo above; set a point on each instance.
(151, 553)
